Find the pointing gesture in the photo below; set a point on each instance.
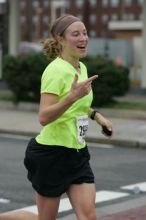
(80, 89)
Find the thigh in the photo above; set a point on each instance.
(47, 207)
(82, 198)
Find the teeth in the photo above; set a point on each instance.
(81, 46)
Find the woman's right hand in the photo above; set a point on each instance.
(80, 89)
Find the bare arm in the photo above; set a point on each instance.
(102, 121)
(50, 109)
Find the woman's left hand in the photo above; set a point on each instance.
(107, 128)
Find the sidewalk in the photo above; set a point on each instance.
(130, 131)
(129, 126)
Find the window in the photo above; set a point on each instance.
(93, 19)
(34, 35)
(125, 17)
(46, 3)
(79, 3)
(22, 4)
(114, 17)
(46, 19)
(80, 16)
(45, 34)
(104, 18)
(131, 16)
(141, 17)
(35, 19)
(35, 3)
(128, 2)
(141, 2)
(22, 19)
(114, 3)
(92, 33)
(67, 4)
(92, 3)
(105, 3)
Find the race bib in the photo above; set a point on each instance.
(82, 127)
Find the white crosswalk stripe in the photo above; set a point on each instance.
(101, 196)
(2, 200)
(140, 186)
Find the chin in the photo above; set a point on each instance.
(82, 55)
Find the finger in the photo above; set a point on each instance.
(88, 87)
(92, 78)
(76, 78)
(106, 130)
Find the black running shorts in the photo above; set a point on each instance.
(52, 169)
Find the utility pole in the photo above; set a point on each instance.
(29, 20)
(3, 32)
(14, 26)
(143, 80)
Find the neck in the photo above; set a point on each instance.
(73, 61)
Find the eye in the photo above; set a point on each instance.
(75, 34)
(85, 33)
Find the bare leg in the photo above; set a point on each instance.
(18, 215)
(47, 207)
(82, 198)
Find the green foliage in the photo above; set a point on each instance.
(113, 80)
(23, 75)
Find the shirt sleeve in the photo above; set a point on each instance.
(52, 82)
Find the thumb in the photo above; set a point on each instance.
(76, 78)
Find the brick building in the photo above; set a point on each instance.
(99, 16)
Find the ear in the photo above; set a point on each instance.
(60, 40)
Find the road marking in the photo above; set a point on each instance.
(101, 196)
(141, 186)
(2, 200)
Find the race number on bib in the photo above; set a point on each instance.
(82, 126)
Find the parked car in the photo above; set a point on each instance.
(26, 48)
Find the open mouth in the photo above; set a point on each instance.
(81, 47)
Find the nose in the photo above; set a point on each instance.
(83, 37)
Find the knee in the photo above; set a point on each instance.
(92, 216)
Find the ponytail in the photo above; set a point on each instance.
(51, 48)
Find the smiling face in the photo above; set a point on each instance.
(75, 40)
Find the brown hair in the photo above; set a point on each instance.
(51, 46)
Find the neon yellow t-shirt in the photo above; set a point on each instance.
(68, 130)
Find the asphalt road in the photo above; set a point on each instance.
(113, 168)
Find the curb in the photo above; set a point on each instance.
(108, 112)
(116, 142)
